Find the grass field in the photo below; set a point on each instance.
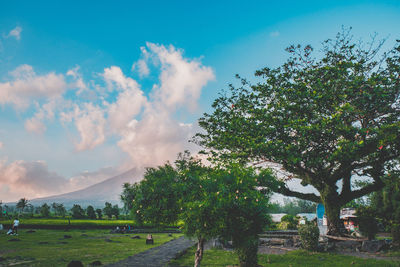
(64, 222)
(299, 258)
(51, 248)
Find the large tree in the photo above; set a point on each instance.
(324, 120)
(22, 204)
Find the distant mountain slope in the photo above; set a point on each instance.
(95, 195)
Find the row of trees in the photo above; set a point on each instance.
(58, 209)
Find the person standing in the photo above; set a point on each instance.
(15, 226)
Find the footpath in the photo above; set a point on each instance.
(157, 256)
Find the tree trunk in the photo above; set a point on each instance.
(199, 252)
(332, 210)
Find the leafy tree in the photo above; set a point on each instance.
(156, 197)
(128, 196)
(45, 210)
(22, 204)
(99, 213)
(90, 212)
(77, 212)
(115, 211)
(322, 120)
(1, 209)
(58, 209)
(108, 210)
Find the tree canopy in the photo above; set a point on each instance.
(324, 120)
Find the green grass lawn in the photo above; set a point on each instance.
(299, 258)
(50, 248)
(62, 221)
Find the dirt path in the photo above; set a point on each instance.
(157, 256)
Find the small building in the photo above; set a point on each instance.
(276, 217)
(349, 218)
(306, 216)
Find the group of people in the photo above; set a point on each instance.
(14, 228)
(123, 230)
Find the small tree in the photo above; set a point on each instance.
(77, 212)
(309, 235)
(90, 212)
(108, 210)
(45, 210)
(22, 204)
(99, 213)
(115, 211)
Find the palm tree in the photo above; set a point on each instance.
(22, 204)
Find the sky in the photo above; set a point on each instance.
(91, 89)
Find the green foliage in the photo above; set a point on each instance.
(99, 213)
(289, 222)
(108, 210)
(115, 211)
(59, 209)
(395, 231)
(322, 119)
(156, 197)
(293, 206)
(368, 224)
(77, 212)
(90, 212)
(45, 210)
(309, 235)
(22, 204)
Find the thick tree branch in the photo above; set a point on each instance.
(306, 196)
(347, 197)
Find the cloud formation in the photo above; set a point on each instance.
(26, 86)
(16, 33)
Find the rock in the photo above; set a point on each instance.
(135, 237)
(67, 236)
(96, 263)
(108, 240)
(2, 259)
(14, 240)
(75, 264)
(347, 245)
(288, 243)
(169, 234)
(84, 235)
(373, 245)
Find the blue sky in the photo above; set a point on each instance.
(67, 66)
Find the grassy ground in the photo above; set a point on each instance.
(300, 258)
(50, 248)
(64, 222)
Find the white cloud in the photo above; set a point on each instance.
(78, 80)
(142, 68)
(90, 123)
(26, 86)
(29, 179)
(181, 79)
(16, 33)
(35, 125)
(274, 34)
(156, 136)
(1, 145)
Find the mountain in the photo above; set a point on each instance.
(96, 195)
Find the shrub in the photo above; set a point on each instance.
(368, 224)
(396, 233)
(309, 234)
(289, 222)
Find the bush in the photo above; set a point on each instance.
(368, 224)
(288, 222)
(309, 235)
(396, 234)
